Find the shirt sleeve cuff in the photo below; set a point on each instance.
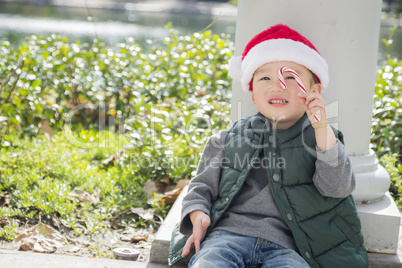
(331, 155)
(186, 226)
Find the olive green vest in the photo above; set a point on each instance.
(326, 230)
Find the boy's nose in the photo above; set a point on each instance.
(277, 86)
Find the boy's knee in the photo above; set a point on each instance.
(286, 259)
(216, 257)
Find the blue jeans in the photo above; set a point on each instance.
(225, 249)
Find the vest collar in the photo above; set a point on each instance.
(260, 124)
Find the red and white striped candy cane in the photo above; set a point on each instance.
(298, 81)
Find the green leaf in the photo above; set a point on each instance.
(35, 83)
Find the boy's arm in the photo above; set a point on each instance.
(334, 175)
(325, 137)
(203, 188)
(201, 222)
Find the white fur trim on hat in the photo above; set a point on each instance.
(235, 68)
(279, 50)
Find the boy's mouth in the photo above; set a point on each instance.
(277, 101)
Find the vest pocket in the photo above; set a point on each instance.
(355, 238)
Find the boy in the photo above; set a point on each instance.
(274, 190)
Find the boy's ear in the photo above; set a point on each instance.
(252, 96)
(317, 87)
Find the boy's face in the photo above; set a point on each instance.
(281, 106)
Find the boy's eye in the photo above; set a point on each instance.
(265, 78)
(290, 77)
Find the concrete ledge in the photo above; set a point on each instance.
(24, 259)
(381, 223)
(160, 246)
(385, 260)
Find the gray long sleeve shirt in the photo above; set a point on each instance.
(254, 212)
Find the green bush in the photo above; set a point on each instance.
(53, 80)
(387, 111)
(153, 105)
(394, 169)
(8, 232)
(387, 121)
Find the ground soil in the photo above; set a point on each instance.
(102, 244)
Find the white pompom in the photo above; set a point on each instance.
(235, 68)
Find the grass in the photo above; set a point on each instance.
(40, 177)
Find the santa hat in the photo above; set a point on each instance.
(277, 43)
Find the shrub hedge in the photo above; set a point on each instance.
(155, 105)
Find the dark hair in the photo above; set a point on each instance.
(315, 78)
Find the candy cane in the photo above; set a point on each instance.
(298, 81)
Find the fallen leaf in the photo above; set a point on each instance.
(165, 179)
(125, 238)
(149, 188)
(155, 199)
(46, 129)
(97, 192)
(4, 200)
(146, 214)
(56, 221)
(115, 224)
(85, 196)
(78, 241)
(40, 238)
(44, 246)
(171, 196)
(138, 238)
(144, 244)
(27, 244)
(182, 183)
(117, 155)
(72, 249)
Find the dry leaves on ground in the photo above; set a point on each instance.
(5, 199)
(146, 214)
(40, 238)
(86, 197)
(168, 196)
(117, 155)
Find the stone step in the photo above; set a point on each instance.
(160, 246)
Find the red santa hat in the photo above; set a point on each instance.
(277, 43)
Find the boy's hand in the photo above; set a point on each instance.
(201, 222)
(315, 105)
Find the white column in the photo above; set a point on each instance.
(346, 33)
